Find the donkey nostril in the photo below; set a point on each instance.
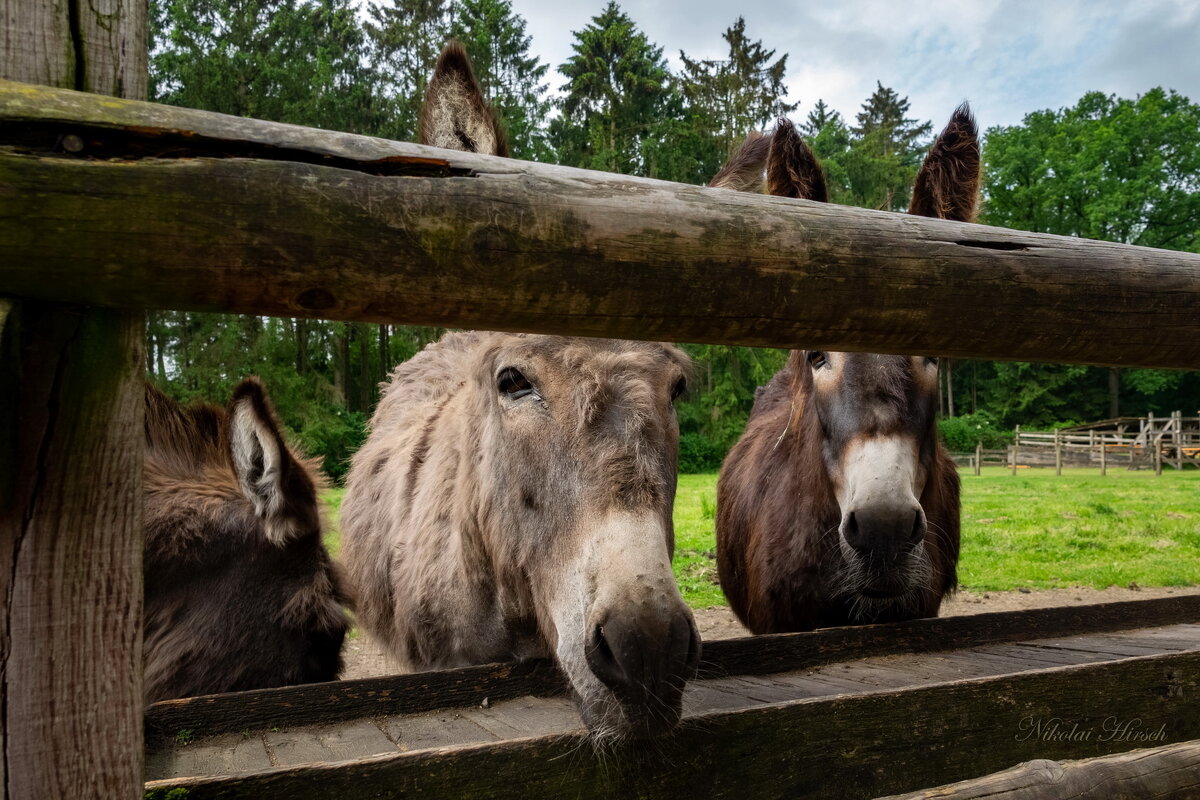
(918, 528)
(601, 659)
(851, 525)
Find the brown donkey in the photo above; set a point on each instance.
(514, 498)
(240, 592)
(839, 505)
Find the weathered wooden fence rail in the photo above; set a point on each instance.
(133, 205)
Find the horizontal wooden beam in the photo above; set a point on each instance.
(849, 746)
(1158, 773)
(125, 204)
(751, 655)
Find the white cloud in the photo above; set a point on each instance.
(1008, 57)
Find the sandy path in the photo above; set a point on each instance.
(364, 658)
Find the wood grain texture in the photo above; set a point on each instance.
(112, 38)
(1160, 773)
(35, 43)
(268, 218)
(71, 471)
(843, 747)
(70, 553)
(758, 655)
(289, 706)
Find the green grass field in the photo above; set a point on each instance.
(1032, 530)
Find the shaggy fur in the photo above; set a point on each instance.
(783, 552)
(744, 170)
(239, 591)
(455, 115)
(792, 169)
(514, 499)
(470, 519)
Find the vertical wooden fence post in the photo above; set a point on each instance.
(1016, 444)
(1103, 456)
(978, 457)
(71, 473)
(1058, 453)
(1177, 437)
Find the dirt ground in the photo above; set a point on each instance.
(365, 659)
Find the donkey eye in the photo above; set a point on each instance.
(817, 359)
(512, 383)
(678, 389)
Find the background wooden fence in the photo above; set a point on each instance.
(1128, 442)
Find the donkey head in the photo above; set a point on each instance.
(874, 415)
(240, 593)
(578, 443)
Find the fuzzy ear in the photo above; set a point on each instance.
(792, 169)
(743, 172)
(269, 477)
(947, 186)
(455, 114)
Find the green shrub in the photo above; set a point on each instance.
(333, 435)
(698, 453)
(961, 434)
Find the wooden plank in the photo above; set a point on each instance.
(527, 716)
(1042, 656)
(231, 754)
(434, 730)
(896, 672)
(329, 743)
(70, 553)
(70, 469)
(776, 653)
(1096, 644)
(265, 218)
(849, 746)
(1160, 773)
(293, 706)
(783, 652)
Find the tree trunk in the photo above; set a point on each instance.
(362, 334)
(1114, 392)
(385, 349)
(949, 387)
(301, 329)
(341, 364)
(71, 473)
(152, 324)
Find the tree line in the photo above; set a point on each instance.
(1110, 168)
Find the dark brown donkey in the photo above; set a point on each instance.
(514, 498)
(240, 592)
(839, 505)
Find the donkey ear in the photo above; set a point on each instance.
(266, 472)
(792, 169)
(947, 186)
(743, 172)
(455, 114)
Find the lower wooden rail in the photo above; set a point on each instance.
(813, 717)
(408, 694)
(1159, 773)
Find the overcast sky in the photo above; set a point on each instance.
(1007, 57)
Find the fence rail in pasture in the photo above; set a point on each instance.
(111, 206)
(159, 207)
(1148, 442)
